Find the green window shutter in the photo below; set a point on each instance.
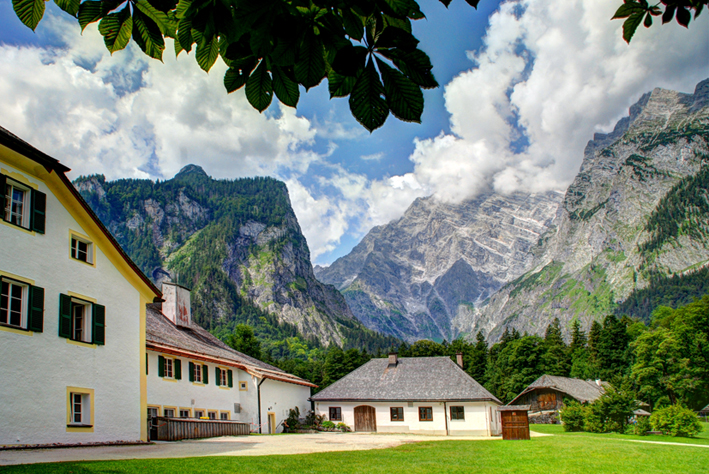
(178, 369)
(39, 205)
(99, 323)
(230, 378)
(161, 366)
(64, 316)
(217, 378)
(36, 309)
(191, 372)
(3, 190)
(205, 374)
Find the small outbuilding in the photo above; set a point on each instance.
(425, 395)
(515, 422)
(704, 412)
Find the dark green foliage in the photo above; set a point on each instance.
(642, 425)
(640, 11)
(611, 412)
(573, 415)
(612, 350)
(672, 291)
(244, 341)
(684, 210)
(676, 420)
(556, 356)
(514, 365)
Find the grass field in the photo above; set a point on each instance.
(558, 454)
(701, 438)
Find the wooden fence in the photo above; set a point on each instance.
(175, 429)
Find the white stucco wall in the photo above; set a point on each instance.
(276, 397)
(37, 368)
(477, 417)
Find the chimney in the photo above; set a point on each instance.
(176, 306)
(598, 382)
(459, 358)
(393, 359)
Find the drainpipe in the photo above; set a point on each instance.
(258, 390)
(445, 416)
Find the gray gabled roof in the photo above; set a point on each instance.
(412, 379)
(582, 390)
(163, 336)
(705, 409)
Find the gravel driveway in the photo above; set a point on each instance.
(253, 445)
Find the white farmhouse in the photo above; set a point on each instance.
(192, 374)
(423, 395)
(72, 312)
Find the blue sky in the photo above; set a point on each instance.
(524, 85)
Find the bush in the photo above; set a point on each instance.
(610, 412)
(676, 420)
(572, 416)
(328, 424)
(343, 427)
(313, 419)
(292, 423)
(642, 425)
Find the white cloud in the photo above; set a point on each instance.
(372, 157)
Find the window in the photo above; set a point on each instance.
(212, 415)
(199, 414)
(152, 412)
(169, 368)
(184, 413)
(224, 377)
(80, 411)
(397, 413)
(169, 412)
(21, 305)
(224, 416)
(81, 321)
(243, 386)
(82, 250)
(199, 373)
(335, 414)
(21, 205)
(425, 413)
(457, 413)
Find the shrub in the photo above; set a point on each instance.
(610, 412)
(676, 420)
(572, 415)
(313, 419)
(328, 424)
(343, 427)
(292, 423)
(642, 425)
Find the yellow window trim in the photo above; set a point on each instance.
(188, 410)
(222, 387)
(203, 410)
(165, 407)
(228, 414)
(17, 227)
(83, 391)
(169, 379)
(79, 236)
(20, 178)
(16, 331)
(88, 299)
(246, 386)
(16, 277)
(81, 344)
(199, 384)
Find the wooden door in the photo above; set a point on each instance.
(515, 425)
(365, 418)
(271, 423)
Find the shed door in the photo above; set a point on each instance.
(365, 418)
(515, 425)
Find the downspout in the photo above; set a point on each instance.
(258, 391)
(445, 415)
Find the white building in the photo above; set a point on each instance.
(192, 374)
(423, 395)
(72, 312)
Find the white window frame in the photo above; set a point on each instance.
(198, 413)
(224, 416)
(197, 373)
(212, 415)
(169, 368)
(166, 412)
(11, 186)
(80, 409)
(184, 413)
(223, 377)
(76, 251)
(24, 302)
(86, 323)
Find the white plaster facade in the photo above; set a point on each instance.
(41, 369)
(480, 418)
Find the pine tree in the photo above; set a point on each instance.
(478, 362)
(556, 357)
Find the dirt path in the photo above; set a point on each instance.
(253, 445)
(667, 443)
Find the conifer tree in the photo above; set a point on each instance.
(556, 357)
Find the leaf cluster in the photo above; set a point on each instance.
(365, 48)
(640, 11)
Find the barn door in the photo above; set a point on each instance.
(515, 425)
(365, 418)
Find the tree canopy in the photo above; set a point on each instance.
(364, 48)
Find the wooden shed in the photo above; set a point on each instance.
(515, 423)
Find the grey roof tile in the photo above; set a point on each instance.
(413, 378)
(582, 390)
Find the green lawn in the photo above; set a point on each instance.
(564, 453)
(701, 438)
